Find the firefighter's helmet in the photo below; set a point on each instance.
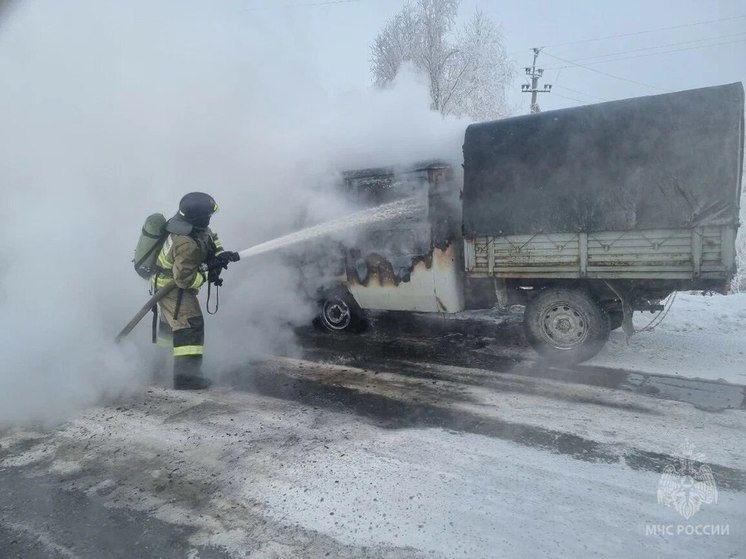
(197, 208)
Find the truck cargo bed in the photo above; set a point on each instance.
(696, 253)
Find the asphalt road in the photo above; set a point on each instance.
(420, 438)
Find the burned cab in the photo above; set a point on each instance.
(412, 262)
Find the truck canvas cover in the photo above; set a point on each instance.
(664, 161)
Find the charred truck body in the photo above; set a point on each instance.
(583, 215)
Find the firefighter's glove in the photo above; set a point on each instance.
(228, 256)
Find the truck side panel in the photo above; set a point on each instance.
(701, 252)
(432, 286)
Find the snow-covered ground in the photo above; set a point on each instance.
(359, 463)
(393, 455)
(702, 336)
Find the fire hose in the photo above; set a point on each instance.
(153, 301)
(147, 307)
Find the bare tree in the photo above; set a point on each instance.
(468, 70)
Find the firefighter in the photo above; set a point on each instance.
(191, 255)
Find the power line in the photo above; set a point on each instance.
(573, 62)
(580, 92)
(605, 73)
(570, 98)
(555, 85)
(326, 3)
(647, 31)
(741, 34)
(299, 5)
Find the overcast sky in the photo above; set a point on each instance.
(334, 39)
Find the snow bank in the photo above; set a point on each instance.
(702, 336)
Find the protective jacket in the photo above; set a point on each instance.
(180, 260)
(181, 257)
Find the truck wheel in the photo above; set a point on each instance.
(565, 326)
(341, 313)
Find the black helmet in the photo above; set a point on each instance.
(197, 208)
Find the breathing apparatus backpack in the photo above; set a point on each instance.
(149, 245)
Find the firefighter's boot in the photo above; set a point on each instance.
(188, 373)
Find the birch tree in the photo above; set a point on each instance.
(467, 69)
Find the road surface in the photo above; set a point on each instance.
(421, 438)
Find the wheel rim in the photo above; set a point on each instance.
(564, 326)
(336, 314)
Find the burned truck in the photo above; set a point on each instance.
(582, 215)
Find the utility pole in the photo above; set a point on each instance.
(533, 88)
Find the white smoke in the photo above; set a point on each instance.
(113, 110)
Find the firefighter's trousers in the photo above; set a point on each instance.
(182, 327)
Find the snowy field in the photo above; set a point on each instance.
(701, 337)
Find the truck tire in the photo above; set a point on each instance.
(565, 326)
(339, 312)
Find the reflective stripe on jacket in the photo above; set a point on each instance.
(181, 257)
